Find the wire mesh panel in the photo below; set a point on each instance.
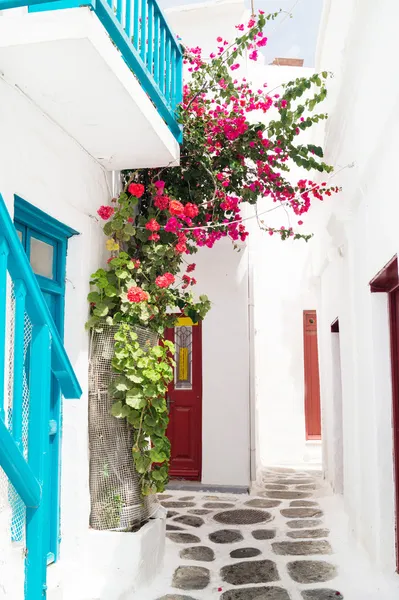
(116, 500)
(12, 508)
(18, 507)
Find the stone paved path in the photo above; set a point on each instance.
(271, 545)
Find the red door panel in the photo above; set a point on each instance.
(185, 400)
(312, 383)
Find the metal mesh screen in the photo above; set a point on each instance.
(12, 509)
(116, 501)
(18, 508)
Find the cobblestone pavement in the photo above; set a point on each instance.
(271, 545)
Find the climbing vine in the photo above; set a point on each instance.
(162, 216)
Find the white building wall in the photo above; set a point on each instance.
(222, 274)
(47, 168)
(358, 41)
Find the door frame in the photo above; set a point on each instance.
(29, 219)
(180, 474)
(387, 281)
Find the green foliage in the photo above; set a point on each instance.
(139, 393)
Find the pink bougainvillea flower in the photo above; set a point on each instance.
(261, 42)
(136, 294)
(105, 212)
(234, 67)
(153, 225)
(219, 39)
(191, 210)
(284, 103)
(162, 202)
(253, 55)
(160, 186)
(172, 225)
(176, 207)
(164, 281)
(136, 189)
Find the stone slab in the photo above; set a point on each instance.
(191, 578)
(183, 538)
(322, 594)
(245, 553)
(305, 548)
(264, 534)
(252, 571)
(201, 553)
(302, 513)
(242, 516)
(311, 571)
(226, 536)
(256, 593)
(308, 533)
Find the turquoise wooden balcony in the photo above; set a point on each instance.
(109, 72)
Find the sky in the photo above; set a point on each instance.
(288, 38)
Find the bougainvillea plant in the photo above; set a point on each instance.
(239, 145)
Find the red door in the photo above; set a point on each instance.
(312, 384)
(185, 401)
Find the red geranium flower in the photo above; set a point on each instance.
(105, 212)
(136, 189)
(164, 281)
(191, 210)
(136, 294)
(176, 207)
(153, 225)
(191, 268)
(161, 202)
(154, 237)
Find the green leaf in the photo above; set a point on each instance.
(94, 297)
(116, 409)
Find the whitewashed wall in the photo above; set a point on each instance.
(40, 163)
(222, 274)
(359, 42)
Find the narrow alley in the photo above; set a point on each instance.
(286, 541)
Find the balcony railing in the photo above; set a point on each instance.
(139, 30)
(37, 354)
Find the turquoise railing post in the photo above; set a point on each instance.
(3, 305)
(119, 10)
(156, 45)
(19, 359)
(150, 51)
(136, 22)
(162, 68)
(36, 522)
(143, 40)
(173, 84)
(167, 70)
(128, 19)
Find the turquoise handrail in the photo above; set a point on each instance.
(140, 31)
(29, 476)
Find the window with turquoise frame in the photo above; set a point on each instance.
(45, 241)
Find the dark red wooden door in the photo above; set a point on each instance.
(312, 383)
(185, 401)
(394, 323)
